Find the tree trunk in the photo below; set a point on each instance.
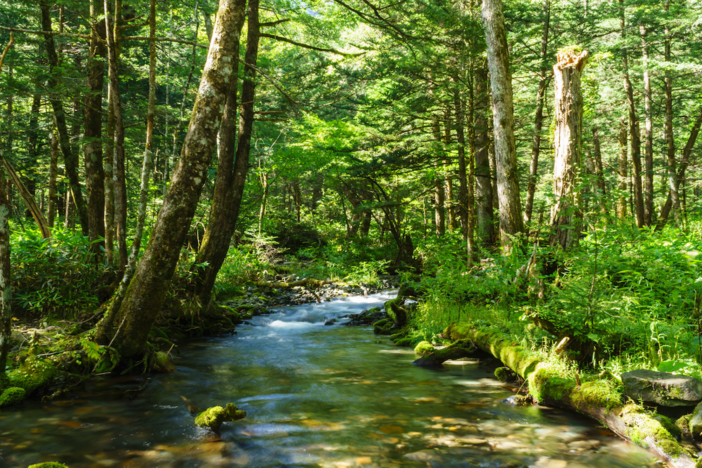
(451, 212)
(648, 205)
(633, 131)
(5, 271)
(53, 169)
(669, 137)
(566, 215)
(147, 290)
(599, 172)
(32, 138)
(684, 162)
(232, 166)
(622, 173)
(69, 159)
(511, 221)
(539, 115)
(466, 174)
(483, 173)
(92, 124)
(113, 28)
(109, 180)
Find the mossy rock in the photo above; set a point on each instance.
(163, 363)
(423, 348)
(396, 312)
(12, 396)
(683, 423)
(34, 374)
(214, 417)
(383, 327)
(49, 465)
(643, 427)
(505, 374)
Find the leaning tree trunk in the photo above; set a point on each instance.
(233, 162)
(622, 172)
(566, 215)
(511, 221)
(92, 124)
(70, 161)
(539, 115)
(147, 290)
(483, 173)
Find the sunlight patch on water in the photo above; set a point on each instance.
(396, 351)
(293, 325)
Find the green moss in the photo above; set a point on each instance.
(383, 327)
(215, 416)
(396, 312)
(34, 374)
(163, 363)
(423, 348)
(48, 465)
(642, 426)
(683, 423)
(4, 381)
(504, 374)
(12, 396)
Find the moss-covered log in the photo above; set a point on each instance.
(459, 349)
(600, 399)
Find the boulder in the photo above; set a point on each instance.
(662, 388)
(12, 396)
(424, 348)
(215, 416)
(695, 423)
(396, 311)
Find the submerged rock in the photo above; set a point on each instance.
(12, 396)
(662, 388)
(215, 416)
(519, 400)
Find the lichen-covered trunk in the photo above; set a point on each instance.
(511, 221)
(566, 214)
(634, 131)
(69, 159)
(232, 165)
(599, 172)
(112, 26)
(539, 114)
(622, 170)
(648, 176)
(132, 322)
(53, 169)
(483, 173)
(92, 135)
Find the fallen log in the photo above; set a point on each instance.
(459, 349)
(600, 399)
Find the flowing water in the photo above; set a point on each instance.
(316, 395)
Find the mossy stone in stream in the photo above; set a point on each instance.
(163, 363)
(215, 416)
(396, 312)
(12, 396)
(383, 327)
(505, 374)
(424, 348)
(49, 465)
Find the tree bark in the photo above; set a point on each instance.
(69, 159)
(5, 271)
(113, 28)
(92, 124)
(622, 172)
(539, 115)
(599, 172)
(109, 180)
(566, 215)
(53, 169)
(648, 202)
(232, 165)
(466, 174)
(669, 137)
(511, 221)
(147, 291)
(634, 131)
(451, 211)
(483, 173)
(684, 162)
(32, 138)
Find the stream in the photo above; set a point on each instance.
(316, 395)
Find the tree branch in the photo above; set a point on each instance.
(307, 46)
